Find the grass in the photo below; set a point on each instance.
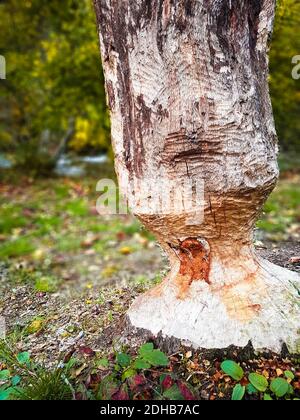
(76, 208)
(43, 282)
(281, 212)
(51, 220)
(45, 386)
(46, 223)
(67, 243)
(46, 284)
(16, 248)
(11, 218)
(51, 227)
(25, 380)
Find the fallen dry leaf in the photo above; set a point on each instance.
(89, 241)
(188, 354)
(86, 351)
(266, 374)
(126, 250)
(79, 371)
(121, 236)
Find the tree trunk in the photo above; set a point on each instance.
(187, 88)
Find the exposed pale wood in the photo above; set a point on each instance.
(188, 93)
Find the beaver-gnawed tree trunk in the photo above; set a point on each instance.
(187, 89)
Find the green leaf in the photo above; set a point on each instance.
(129, 373)
(289, 375)
(156, 358)
(267, 397)
(23, 358)
(15, 380)
(280, 387)
(141, 364)
(251, 389)
(108, 387)
(232, 369)
(35, 326)
(4, 374)
(162, 377)
(173, 393)
(103, 363)
(123, 359)
(146, 348)
(5, 394)
(258, 381)
(238, 393)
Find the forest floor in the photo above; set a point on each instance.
(67, 277)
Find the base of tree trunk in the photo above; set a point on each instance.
(253, 301)
(135, 337)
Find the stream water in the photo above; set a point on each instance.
(5, 163)
(69, 166)
(78, 166)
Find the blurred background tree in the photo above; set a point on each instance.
(54, 96)
(54, 101)
(285, 91)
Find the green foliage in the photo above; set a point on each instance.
(108, 387)
(281, 210)
(77, 208)
(23, 358)
(16, 248)
(279, 387)
(54, 81)
(123, 359)
(258, 381)
(41, 282)
(47, 385)
(285, 91)
(251, 389)
(26, 381)
(4, 374)
(289, 375)
(238, 393)
(232, 369)
(173, 393)
(128, 370)
(11, 218)
(148, 355)
(103, 363)
(6, 393)
(129, 373)
(46, 284)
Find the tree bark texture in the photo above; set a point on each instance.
(187, 87)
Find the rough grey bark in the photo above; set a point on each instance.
(187, 88)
